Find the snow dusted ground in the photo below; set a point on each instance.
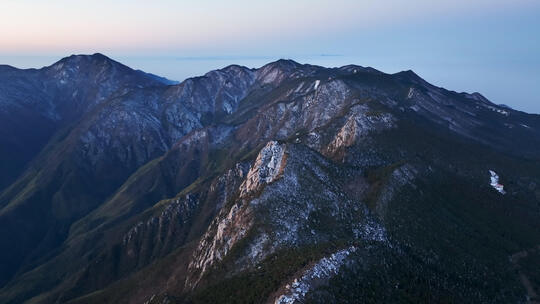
(325, 268)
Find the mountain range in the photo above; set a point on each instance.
(290, 183)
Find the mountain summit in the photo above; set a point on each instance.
(290, 183)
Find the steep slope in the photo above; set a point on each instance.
(107, 146)
(34, 104)
(289, 183)
(296, 215)
(78, 170)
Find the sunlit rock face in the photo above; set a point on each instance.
(269, 164)
(231, 225)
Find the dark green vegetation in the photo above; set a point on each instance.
(134, 189)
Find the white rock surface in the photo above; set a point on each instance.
(267, 167)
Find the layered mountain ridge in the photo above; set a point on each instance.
(289, 183)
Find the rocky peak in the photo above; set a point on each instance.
(287, 64)
(276, 72)
(232, 70)
(75, 59)
(411, 77)
(96, 69)
(478, 97)
(353, 69)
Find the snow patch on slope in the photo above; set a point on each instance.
(317, 82)
(495, 182)
(370, 231)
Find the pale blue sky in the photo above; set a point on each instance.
(492, 47)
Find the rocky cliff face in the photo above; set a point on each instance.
(286, 184)
(232, 224)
